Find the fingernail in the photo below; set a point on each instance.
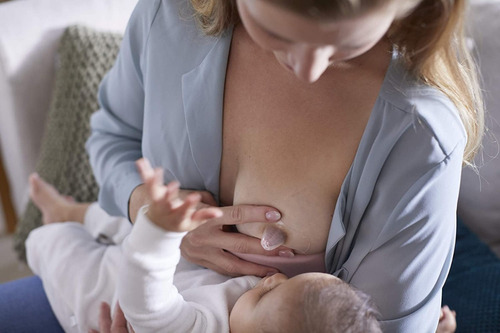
(272, 238)
(286, 254)
(273, 216)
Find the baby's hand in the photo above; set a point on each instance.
(167, 210)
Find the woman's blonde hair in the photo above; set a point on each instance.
(431, 39)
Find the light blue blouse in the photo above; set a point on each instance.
(393, 230)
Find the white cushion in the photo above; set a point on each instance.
(29, 34)
(479, 202)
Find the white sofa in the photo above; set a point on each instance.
(29, 34)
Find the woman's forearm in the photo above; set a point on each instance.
(116, 136)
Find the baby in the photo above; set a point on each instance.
(96, 258)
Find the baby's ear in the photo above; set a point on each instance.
(274, 281)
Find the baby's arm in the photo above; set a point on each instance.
(146, 293)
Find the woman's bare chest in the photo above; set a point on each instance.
(289, 156)
(289, 145)
(286, 138)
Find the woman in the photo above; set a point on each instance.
(348, 120)
(343, 129)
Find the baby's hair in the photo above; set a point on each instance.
(333, 306)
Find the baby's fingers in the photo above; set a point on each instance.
(184, 209)
(189, 204)
(105, 321)
(152, 178)
(145, 169)
(155, 186)
(173, 193)
(180, 216)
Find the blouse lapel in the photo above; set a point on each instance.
(203, 98)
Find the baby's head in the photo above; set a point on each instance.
(310, 302)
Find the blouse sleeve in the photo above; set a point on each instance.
(115, 141)
(410, 226)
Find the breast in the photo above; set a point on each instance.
(305, 205)
(290, 154)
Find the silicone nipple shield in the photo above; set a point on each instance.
(273, 237)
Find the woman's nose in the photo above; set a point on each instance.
(309, 63)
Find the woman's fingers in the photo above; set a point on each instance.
(447, 321)
(212, 233)
(105, 318)
(211, 247)
(206, 236)
(229, 264)
(241, 214)
(208, 198)
(116, 325)
(119, 323)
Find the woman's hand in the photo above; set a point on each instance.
(208, 245)
(117, 324)
(447, 321)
